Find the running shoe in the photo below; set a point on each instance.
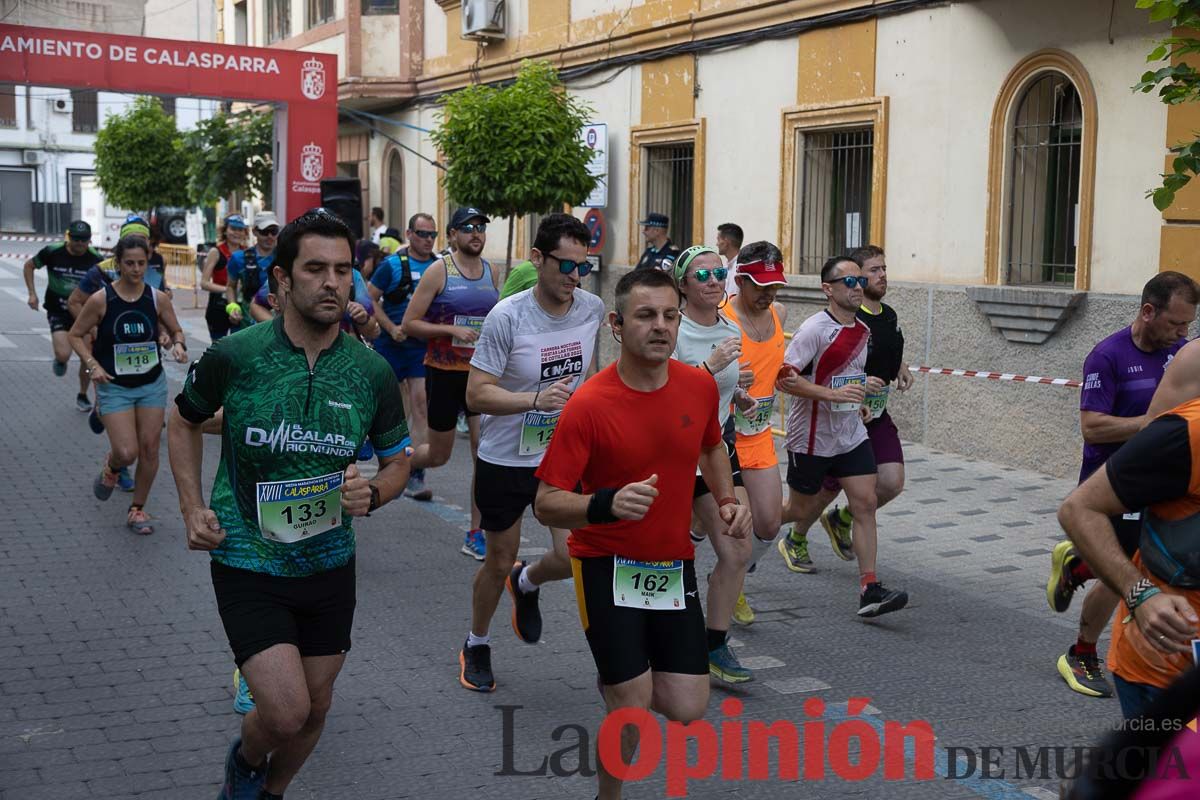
(124, 480)
(461, 426)
(1084, 674)
(795, 554)
(241, 784)
(474, 545)
(878, 600)
(105, 482)
(138, 521)
(416, 488)
(60, 368)
(243, 699)
(366, 452)
(94, 421)
(724, 666)
(82, 404)
(743, 614)
(526, 616)
(1060, 587)
(839, 534)
(476, 668)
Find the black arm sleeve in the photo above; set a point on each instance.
(1154, 466)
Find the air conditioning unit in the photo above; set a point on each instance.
(31, 158)
(60, 105)
(483, 19)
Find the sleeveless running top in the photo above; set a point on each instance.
(127, 339)
(463, 302)
(220, 274)
(764, 359)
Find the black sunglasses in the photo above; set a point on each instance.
(850, 280)
(269, 231)
(425, 234)
(472, 227)
(566, 266)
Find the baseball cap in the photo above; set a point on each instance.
(464, 215)
(265, 219)
(656, 220)
(80, 231)
(236, 221)
(764, 273)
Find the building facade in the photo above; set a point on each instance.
(994, 148)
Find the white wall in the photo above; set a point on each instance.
(743, 130)
(435, 30)
(943, 69)
(335, 45)
(381, 46)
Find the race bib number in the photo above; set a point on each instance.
(838, 381)
(537, 428)
(135, 358)
(876, 402)
(292, 511)
(757, 419)
(464, 321)
(651, 585)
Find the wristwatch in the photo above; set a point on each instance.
(374, 498)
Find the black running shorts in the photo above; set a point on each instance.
(502, 494)
(315, 613)
(445, 396)
(625, 642)
(701, 488)
(806, 473)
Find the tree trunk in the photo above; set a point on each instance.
(508, 260)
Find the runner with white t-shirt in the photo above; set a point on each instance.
(533, 351)
(825, 366)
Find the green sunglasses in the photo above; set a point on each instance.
(720, 273)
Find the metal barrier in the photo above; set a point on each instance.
(182, 272)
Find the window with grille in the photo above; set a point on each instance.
(85, 111)
(318, 13)
(1043, 189)
(279, 20)
(833, 194)
(670, 179)
(8, 105)
(376, 7)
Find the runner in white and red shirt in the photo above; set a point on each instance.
(825, 369)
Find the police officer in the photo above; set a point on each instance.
(660, 252)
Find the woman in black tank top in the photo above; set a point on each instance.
(124, 363)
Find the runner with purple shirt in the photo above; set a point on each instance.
(1119, 379)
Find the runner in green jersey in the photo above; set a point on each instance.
(298, 397)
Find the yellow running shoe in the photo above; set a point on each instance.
(743, 614)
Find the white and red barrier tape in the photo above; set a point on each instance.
(998, 376)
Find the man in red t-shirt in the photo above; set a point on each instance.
(620, 473)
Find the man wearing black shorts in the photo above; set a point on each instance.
(1120, 376)
(619, 473)
(534, 350)
(66, 263)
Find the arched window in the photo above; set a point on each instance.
(1042, 174)
(395, 191)
(1045, 143)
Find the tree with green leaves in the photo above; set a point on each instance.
(229, 153)
(1177, 82)
(516, 149)
(139, 157)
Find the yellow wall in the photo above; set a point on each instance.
(668, 90)
(837, 64)
(1180, 249)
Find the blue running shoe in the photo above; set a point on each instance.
(366, 452)
(124, 480)
(94, 421)
(240, 783)
(243, 700)
(416, 488)
(474, 545)
(82, 404)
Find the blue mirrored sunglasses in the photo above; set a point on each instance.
(566, 266)
(472, 227)
(850, 280)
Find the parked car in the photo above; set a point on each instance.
(171, 222)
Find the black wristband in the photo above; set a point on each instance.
(599, 510)
(374, 498)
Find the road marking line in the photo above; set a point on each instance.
(797, 685)
(761, 662)
(6, 342)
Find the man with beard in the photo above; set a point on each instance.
(299, 397)
(620, 473)
(447, 311)
(825, 368)
(885, 361)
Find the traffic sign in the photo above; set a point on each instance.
(595, 136)
(596, 223)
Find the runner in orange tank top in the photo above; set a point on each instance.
(759, 276)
